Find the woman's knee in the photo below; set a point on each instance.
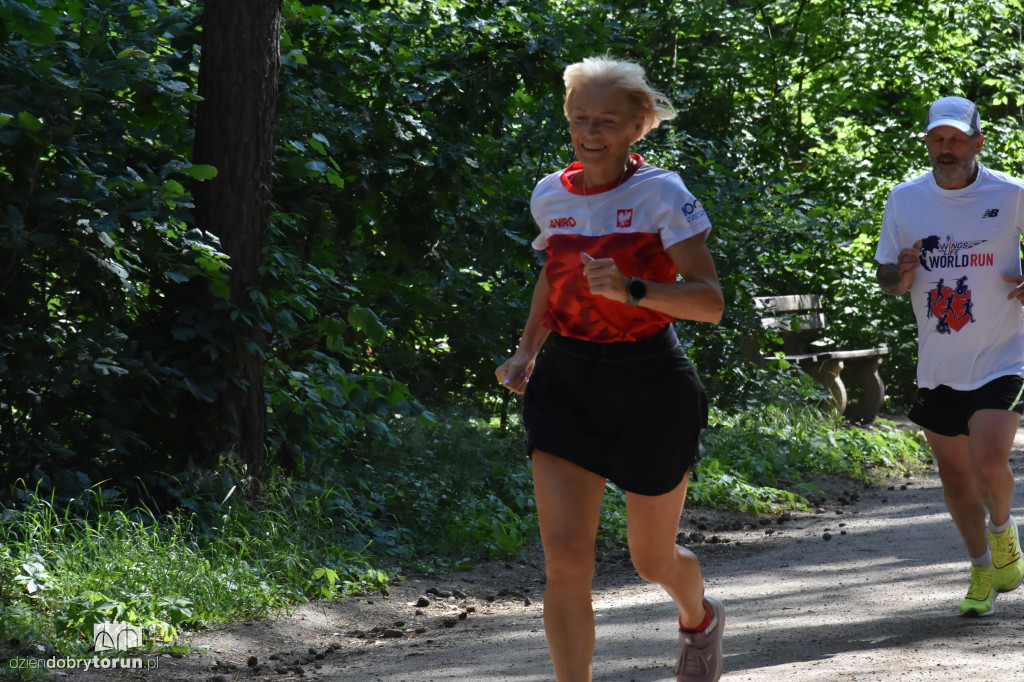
(652, 569)
(661, 565)
(568, 563)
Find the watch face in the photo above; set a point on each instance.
(637, 289)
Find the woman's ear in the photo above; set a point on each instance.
(641, 130)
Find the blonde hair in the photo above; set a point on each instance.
(650, 104)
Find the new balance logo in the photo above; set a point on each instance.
(990, 213)
(1012, 555)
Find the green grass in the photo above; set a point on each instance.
(759, 461)
(97, 560)
(450, 496)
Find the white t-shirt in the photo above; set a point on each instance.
(968, 332)
(631, 221)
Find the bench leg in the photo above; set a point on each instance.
(827, 374)
(864, 372)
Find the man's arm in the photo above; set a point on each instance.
(895, 278)
(888, 275)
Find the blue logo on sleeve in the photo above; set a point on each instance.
(694, 211)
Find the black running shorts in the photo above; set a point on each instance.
(946, 410)
(631, 412)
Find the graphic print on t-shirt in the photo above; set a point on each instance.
(952, 307)
(949, 302)
(574, 311)
(936, 254)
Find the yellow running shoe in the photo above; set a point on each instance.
(980, 599)
(1007, 565)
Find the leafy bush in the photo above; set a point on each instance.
(447, 492)
(773, 449)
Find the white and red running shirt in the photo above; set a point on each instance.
(632, 221)
(968, 333)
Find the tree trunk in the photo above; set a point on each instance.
(236, 129)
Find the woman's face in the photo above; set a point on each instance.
(603, 124)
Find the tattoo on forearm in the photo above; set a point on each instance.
(888, 276)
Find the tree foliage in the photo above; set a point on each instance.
(397, 265)
(94, 233)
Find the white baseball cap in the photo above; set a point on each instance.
(958, 112)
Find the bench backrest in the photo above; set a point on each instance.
(794, 318)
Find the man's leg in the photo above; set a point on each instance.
(977, 483)
(992, 433)
(960, 489)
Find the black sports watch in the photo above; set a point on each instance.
(636, 290)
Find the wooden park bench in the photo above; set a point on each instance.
(798, 320)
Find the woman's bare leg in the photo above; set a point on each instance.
(568, 511)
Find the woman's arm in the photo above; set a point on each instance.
(698, 297)
(514, 373)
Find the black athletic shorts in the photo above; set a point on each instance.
(946, 410)
(631, 412)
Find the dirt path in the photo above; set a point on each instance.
(864, 590)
